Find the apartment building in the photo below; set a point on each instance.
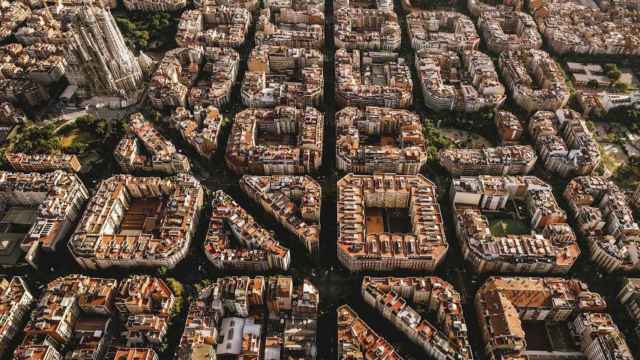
(600, 337)
(259, 250)
(22, 67)
(477, 7)
(602, 214)
(41, 352)
(393, 297)
(42, 26)
(508, 126)
(64, 301)
(505, 304)
(56, 199)
(124, 353)
(292, 24)
(236, 305)
(461, 82)
(75, 318)
(372, 79)
(356, 339)
(43, 162)
(508, 30)
(565, 144)
(227, 298)
(278, 196)
(213, 25)
(365, 4)
(379, 140)
(11, 115)
(551, 245)
(40, 63)
(281, 75)
(366, 29)
(535, 80)
(138, 221)
(502, 160)
(276, 141)
(12, 14)
(446, 30)
(364, 241)
(108, 4)
(194, 76)
(251, 5)
(200, 128)
(162, 154)
(629, 297)
(573, 28)
(15, 304)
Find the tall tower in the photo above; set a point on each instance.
(98, 60)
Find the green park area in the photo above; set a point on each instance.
(84, 136)
(503, 227)
(148, 30)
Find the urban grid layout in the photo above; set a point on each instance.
(319, 179)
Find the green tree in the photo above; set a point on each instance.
(178, 291)
(593, 84)
(614, 74)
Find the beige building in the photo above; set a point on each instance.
(43, 162)
(21, 72)
(509, 127)
(629, 297)
(292, 24)
(280, 75)
(502, 160)
(535, 80)
(573, 28)
(379, 140)
(363, 241)
(12, 14)
(259, 249)
(603, 215)
(504, 305)
(366, 29)
(278, 196)
(214, 25)
(76, 318)
(477, 7)
(356, 339)
(549, 247)
(372, 79)
(15, 305)
(458, 81)
(138, 221)
(392, 296)
(200, 128)
(194, 76)
(48, 204)
(276, 141)
(564, 143)
(159, 154)
(508, 30)
(445, 30)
